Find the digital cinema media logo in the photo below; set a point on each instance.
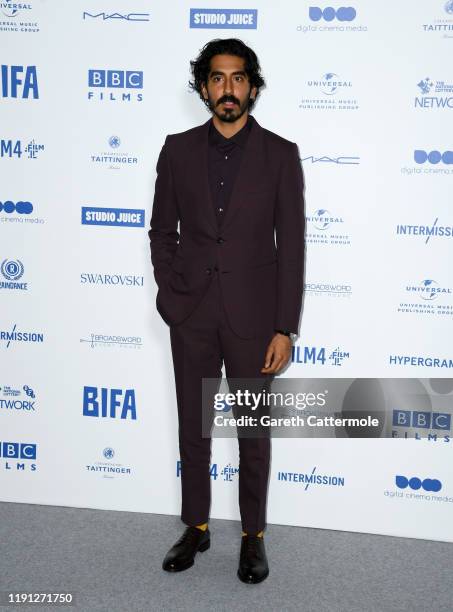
(19, 211)
(439, 162)
(238, 19)
(115, 85)
(113, 217)
(327, 19)
(19, 82)
(109, 403)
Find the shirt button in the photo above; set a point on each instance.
(208, 270)
(226, 156)
(221, 183)
(220, 209)
(220, 240)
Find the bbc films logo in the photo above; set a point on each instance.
(19, 82)
(441, 24)
(318, 355)
(108, 466)
(439, 162)
(15, 149)
(238, 19)
(17, 17)
(327, 19)
(331, 92)
(115, 17)
(17, 456)
(115, 85)
(115, 158)
(113, 217)
(427, 297)
(12, 271)
(433, 94)
(326, 229)
(17, 399)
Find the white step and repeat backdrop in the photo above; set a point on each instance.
(89, 90)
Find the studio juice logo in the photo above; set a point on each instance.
(237, 19)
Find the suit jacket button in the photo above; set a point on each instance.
(208, 270)
(220, 240)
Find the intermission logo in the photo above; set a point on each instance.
(325, 228)
(442, 24)
(434, 94)
(425, 232)
(15, 399)
(113, 217)
(116, 158)
(314, 355)
(111, 280)
(16, 456)
(115, 85)
(122, 17)
(112, 341)
(325, 289)
(226, 473)
(12, 271)
(340, 160)
(109, 403)
(17, 149)
(330, 93)
(16, 17)
(17, 212)
(417, 361)
(239, 19)
(430, 162)
(310, 479)
(8, 337)
(427, 297)
(329, 19)
(19, 82)
(107, 467)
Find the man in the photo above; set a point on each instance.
(228, 293)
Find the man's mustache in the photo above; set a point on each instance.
(227, 99)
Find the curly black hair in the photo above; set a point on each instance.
(201, 66)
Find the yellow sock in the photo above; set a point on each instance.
(203, 526)
(259, 535)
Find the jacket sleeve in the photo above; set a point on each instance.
(290, 238)
(163, 235)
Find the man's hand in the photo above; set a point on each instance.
(277, 354)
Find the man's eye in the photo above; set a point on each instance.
(239, 78)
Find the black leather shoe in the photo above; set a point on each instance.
(253, 565)
(181, 556)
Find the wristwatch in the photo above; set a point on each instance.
(286, 333)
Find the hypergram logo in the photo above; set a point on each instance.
(415, 483)
(239, 19)
(433, 157)
(344, 13)
(312, 478)
(441, 231)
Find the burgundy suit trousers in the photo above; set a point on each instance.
(200, 344)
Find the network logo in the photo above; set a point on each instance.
(322, 219)
(12, 398)
(21, 208)
(19, 336)
(12, 271)
(436, 94)
(239, 19)
(15, 148)
(428, 484)
(424, 420)
(425, 86)
(113, 217)
(427, 231)
(329, 14)
(19, 82)
(109, 403)
(433, 157)
(117, 16)
(449, 7)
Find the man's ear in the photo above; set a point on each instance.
(253, 93)
(204, 91)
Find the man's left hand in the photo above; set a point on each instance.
(277, 354)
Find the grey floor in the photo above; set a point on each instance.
(111, 561)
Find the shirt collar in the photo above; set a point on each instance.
(240, 138)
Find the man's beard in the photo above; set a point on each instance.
(229, 115)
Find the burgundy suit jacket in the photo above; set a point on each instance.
(257, 252)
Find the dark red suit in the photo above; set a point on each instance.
(224, 289)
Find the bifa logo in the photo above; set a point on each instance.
(419, 419)
(117, 16)
(109, 403)
(19, 82)
(344, 13)
(428, 484)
